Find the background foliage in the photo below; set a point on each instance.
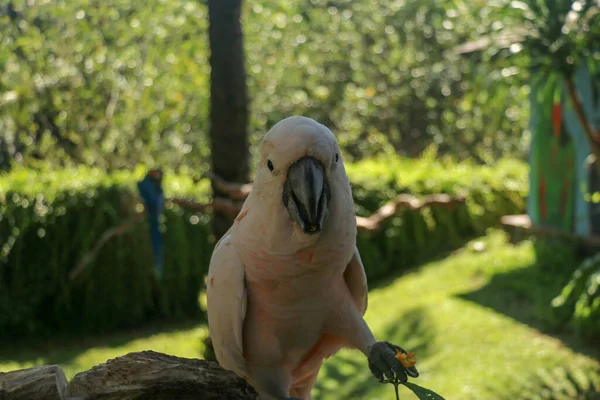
(113, 84)
(106, 83)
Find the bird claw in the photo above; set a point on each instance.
(386, 367)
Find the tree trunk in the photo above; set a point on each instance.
(592, 136)
(229, 101)
(5, 156)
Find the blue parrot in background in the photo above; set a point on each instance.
(151, 191)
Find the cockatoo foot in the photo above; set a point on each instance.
(384, 362)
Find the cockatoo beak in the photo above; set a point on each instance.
(306, 194)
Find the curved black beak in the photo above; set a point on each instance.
(306, 194)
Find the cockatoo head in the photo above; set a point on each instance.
(301, 166)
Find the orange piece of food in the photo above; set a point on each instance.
(408, 360)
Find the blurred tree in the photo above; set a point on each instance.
(559, 42)
(557, 36)
(229, 100)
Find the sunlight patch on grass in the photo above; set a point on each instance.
(77, 357)
(186, 343)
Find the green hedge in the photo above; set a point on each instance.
(50, 220)
(413, 236)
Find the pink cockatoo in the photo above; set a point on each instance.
(286, 286)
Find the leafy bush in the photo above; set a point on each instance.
(579, 301)
(49, 221)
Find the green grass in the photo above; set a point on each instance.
(475, 320)
(74, 355)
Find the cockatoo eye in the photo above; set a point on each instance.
(337, 157)
(270, 165)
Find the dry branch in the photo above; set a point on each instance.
(484, 42)
(237, 191)
(373, 223)
(92, 254)
(219, 203)
(404, 201)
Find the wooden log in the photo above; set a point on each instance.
(47, 382)
(519, 226)
(156, 376)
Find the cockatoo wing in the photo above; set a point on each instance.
(356, 280)
(226, 306)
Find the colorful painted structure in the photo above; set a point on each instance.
(562, 180)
